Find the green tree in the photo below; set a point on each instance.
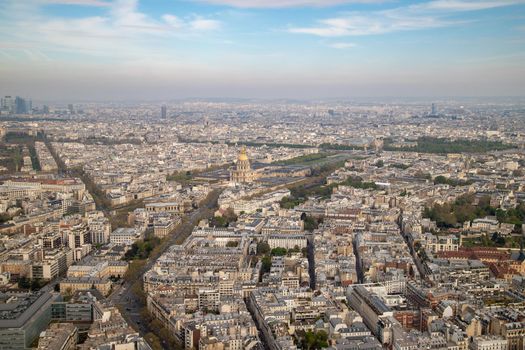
(4, 217)
(310, 223)
(279, 251)
(263, 248)
(230, 215)
(266, 264)
(290, 202)
(442, 145)
(24, 283)
(219, 221)
(440, 180)
(314, 341)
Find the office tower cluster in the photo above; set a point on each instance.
(15, 105)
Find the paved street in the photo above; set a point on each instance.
(131, 304)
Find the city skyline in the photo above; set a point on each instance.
(304, 49)
(262, 174)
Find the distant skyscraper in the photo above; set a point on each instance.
(163, 112)
(434, 112)
(45, 109)
(71, 109)
(7, 104)
(22, 106)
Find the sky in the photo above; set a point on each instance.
(143, 50)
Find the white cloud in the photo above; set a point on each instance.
(204, 24)
(97, 3)
(173, 21)
(125, 15)
(433, 14)
(122, 30)
(285, 3)
(342, 45)
(378, 23)
(464, 5)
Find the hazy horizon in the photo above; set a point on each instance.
(520, 100)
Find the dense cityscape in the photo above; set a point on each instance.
(262, 174)
(262, 225)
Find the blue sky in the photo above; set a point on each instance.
(168, 49)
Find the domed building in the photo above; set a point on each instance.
(243, 172)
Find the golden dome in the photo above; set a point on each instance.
(242, 155)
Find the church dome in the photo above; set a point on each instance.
(242, 155)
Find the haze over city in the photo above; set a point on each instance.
(262, 175)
